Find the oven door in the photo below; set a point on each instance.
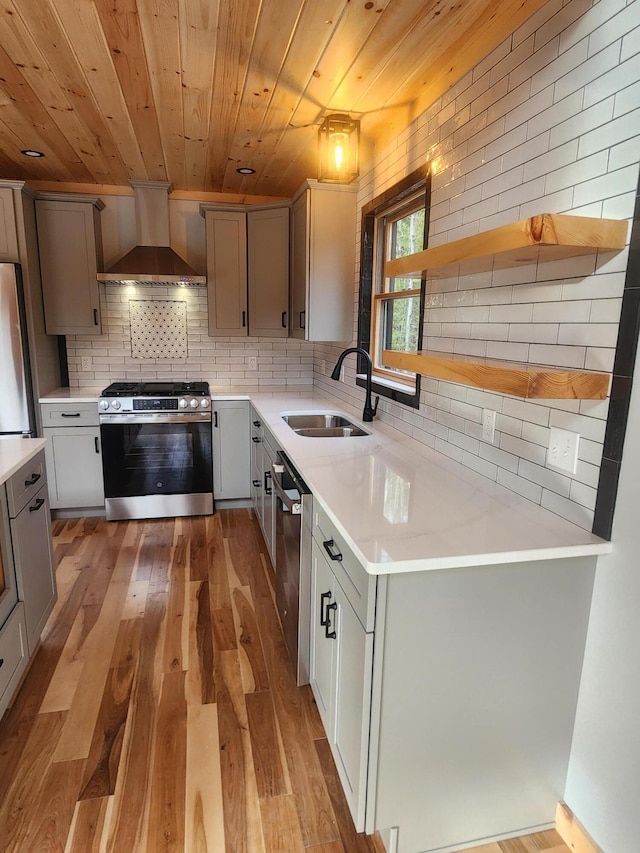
(165, 459)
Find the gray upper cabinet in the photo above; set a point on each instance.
(323, 235)
(70, 246)
(268, 272)
(248, 270)
(8, 232)
(227, 271)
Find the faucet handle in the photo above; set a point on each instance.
(375, 408)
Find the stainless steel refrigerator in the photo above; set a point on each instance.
(17, 416)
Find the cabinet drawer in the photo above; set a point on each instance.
(358, 586)
(69, 414)
(13, 654)
(24, 484)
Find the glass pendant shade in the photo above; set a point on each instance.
(338, 140)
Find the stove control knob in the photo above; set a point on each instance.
(182, 403)
(205, 402)
(104, 404)
(116, 404)
(193, 403)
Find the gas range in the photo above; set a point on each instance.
(178, 397)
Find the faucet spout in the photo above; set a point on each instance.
(370, 409)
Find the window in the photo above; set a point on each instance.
(391, 309)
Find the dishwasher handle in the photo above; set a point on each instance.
(294, 506)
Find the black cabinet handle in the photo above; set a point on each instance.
(244, 319)
(256, 439)
(267, 489)
(34, 479)
(215, 419)
(97, 445)
(330, 635)
(256, 483)
(257, 423)
(37, 505)
(303, 318)
(95, 316)
(323, 617)
(331, 549)
(284, 319)
(69, 414)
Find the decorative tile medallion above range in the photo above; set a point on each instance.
(158, 328)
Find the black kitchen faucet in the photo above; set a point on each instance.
(369, 409)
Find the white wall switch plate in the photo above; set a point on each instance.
(253, 362)
(86, 362)
(563, 450)
(488, 425)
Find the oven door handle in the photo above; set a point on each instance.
(294, 506)
(183, 418)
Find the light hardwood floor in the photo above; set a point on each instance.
(161, 713)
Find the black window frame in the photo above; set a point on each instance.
(418, 180)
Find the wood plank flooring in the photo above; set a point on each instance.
(161, 713)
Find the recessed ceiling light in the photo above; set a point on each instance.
(30, 152)
(245, 170)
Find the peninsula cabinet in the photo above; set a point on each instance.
(448, 696)
(248, 269)
(73, 454)
(70, 246)
(30, 524)
(323, 228)
(264, 451)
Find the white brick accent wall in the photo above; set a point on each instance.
(549, 122)
(224, 362)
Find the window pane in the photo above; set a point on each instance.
(407, 235)
(396, 284)
(400, 323)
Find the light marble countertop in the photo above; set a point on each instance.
(404, 507)
(400, 505)
(15, 452)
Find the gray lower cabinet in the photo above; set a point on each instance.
(231, 462)
(448, 696)
(14, 654)
(30, 524)
(73, 452)
(264, 450)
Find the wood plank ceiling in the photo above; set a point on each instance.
(188, 90)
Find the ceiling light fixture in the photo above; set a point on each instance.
(338, 143)
(31, 152)
(246, 170)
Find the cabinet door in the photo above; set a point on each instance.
(69, 247)
(231, 457)
(227, 272)
(31, 538)
(269, 521)
(353, 674)
(74, 466)
(299, 265)
(8, 232)
(322, 648)
(268, 272)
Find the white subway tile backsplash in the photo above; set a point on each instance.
(588, 334)
(558, 356)
(545, 477)
(627, 99)
(613, 77)
(566, 312)
(522, 449)
(523, 487)
(614, 131)
(534, 333)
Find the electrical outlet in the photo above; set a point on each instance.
(323, 367)
(563, 450)
(86, 362)
(253, 362)
(488, 425)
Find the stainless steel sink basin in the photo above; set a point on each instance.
(323, 425)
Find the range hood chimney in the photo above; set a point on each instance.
(153, 259)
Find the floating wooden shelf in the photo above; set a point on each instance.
(547, 237)
(506, 377)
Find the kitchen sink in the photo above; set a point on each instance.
(323, 425)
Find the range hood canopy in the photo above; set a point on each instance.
(152, 260)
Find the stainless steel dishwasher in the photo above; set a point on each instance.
(293, 561)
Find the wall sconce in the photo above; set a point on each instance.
(338, 142)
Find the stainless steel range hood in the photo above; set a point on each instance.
(152, 260)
